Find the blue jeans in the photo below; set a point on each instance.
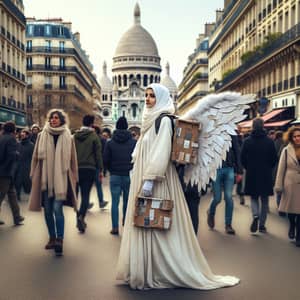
(118, 185)
(99, 187)
(224, 179)
(54, 216)
(260, 212)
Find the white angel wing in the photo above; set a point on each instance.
(218, 115)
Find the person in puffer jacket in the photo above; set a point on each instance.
(117, 160)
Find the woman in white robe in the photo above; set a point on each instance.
(153, 258)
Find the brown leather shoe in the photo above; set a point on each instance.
(58, 247)
(229, 229)
(50, 244)
(210, 220)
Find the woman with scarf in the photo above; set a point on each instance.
(54, 175)
(287, 183)
(152, 258)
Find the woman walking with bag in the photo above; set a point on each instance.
(152, 258)
(54, 175)
(287, 183)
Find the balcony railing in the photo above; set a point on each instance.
(285, 39)
(14, 9)
(231, 20)
(67, 69)
(48, 86)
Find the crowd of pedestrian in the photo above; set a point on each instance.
(56, 168)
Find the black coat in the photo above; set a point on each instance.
(258, 157)
(25, 151)
(117, 153)
(8, 151)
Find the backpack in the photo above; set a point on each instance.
(185, 142)
(158, 121)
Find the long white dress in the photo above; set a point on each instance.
(163, 259)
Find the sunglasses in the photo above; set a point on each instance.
(150, 95)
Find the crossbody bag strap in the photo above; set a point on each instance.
(283, 177)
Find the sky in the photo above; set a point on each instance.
(174, 25)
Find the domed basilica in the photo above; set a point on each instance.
(136, 64)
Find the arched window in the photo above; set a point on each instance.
(145, 83)
(123, 109)
(131, 77)
(138, 78)
(151, 79)
(133, 89)
(156, 79)
(125, 80)
(134, 109)
(119, 81)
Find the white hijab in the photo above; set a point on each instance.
(164, 104)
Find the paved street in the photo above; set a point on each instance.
(268, 265)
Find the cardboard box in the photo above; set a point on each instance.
(185, 142)
(153, 213)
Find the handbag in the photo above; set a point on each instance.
(153, 213)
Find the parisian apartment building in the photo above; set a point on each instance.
(255, 48)
(59, 72)
(194, 84)
(12, 62)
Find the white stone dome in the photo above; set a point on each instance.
(105, 82)
(136, 41)
(168, 82)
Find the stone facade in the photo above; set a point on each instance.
(194, 84)
(256, 49)
(59, 73)
(12, 62)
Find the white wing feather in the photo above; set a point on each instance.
(218, 115)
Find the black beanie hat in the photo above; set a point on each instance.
(122, 123)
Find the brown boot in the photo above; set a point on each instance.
(50, 244)
(58, 248)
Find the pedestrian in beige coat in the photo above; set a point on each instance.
(54, 176)
(288, 182)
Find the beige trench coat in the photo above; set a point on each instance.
(35, 198)
(288, 181)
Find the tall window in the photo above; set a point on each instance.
(61, 46)
(48, 30)
(62, 62)
(62, 100)
(29, 46)
(47, 62)
(62, 82)
(29, 62)
(47, 100)
(48, 45)
(134, 108)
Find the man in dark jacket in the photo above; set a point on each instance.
(259, 158)
(8, 149)
(98, 180)
(24, 149)
(89, 156)
(117, 160)
(225, 180)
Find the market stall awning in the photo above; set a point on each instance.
(278, 124)
(267, 116)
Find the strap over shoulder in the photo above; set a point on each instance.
(159, 118)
